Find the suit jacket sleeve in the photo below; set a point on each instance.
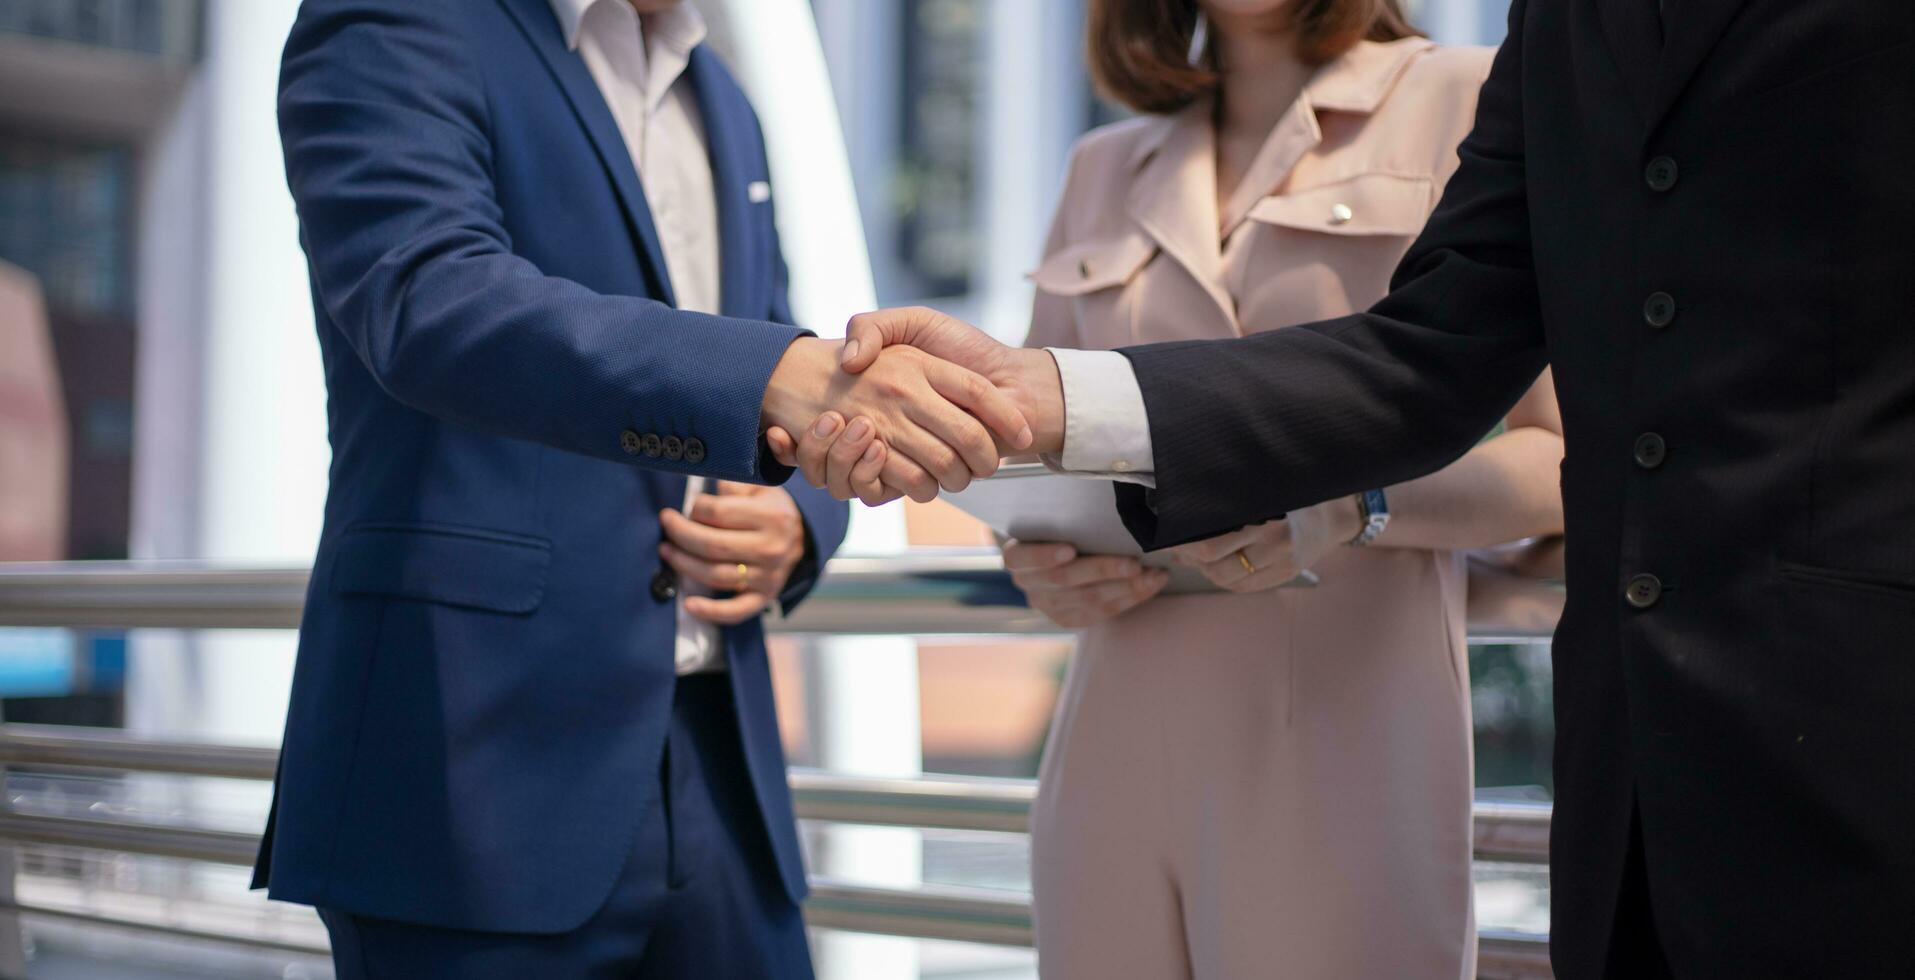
(1245, 430)
(388, 146)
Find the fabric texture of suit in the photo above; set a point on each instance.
(485, 680)
(1703, 224)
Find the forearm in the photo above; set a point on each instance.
(486, 342)
(1503, 490)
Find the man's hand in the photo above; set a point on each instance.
(846, 460)
(941, 423)
(1076, 592)
(743, 540)
(1028, 377)
(1265, 556)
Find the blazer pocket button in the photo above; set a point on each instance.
(630, 442)
(694, 451)
(664, 586)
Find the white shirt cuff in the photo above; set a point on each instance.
(1106, 430)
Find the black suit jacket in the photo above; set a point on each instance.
(1709, 235)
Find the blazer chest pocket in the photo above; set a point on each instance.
(1099, 264)
(472, 568)
(1092, 276)
(1365, 205)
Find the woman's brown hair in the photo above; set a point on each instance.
(1140, 49)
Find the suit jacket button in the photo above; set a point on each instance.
(1659, 309)
(1643, 591)
(1651, 450)
(674, 448)
(694, 451)
(630, 442)
(1661, 174)
(653, 445)
(665, 585)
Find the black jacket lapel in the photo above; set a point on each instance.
(1694, 28)
(1634, 32)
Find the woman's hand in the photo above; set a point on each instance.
(1077, 592)
(743, 540)
(1266, 556)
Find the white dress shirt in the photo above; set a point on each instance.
(639, 66)
(1106, 430)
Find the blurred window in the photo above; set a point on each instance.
(935, 185)
(164, 28)
(65, 216)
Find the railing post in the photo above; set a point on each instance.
(13, 939)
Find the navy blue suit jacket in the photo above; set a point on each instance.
(484, 680)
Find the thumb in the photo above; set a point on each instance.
(736, 489)
(783, 447)
(864, 338)
(868, 334)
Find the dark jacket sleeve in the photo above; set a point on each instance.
(1245, 430)
(383, 118)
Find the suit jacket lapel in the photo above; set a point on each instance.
(541, 29)
(1634, 33)
(1694, 27)
(741, 282)
(1175, 200)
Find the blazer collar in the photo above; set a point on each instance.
(1175, 162)
(1356, 81)
(540, 25)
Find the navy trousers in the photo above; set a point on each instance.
(699, 897)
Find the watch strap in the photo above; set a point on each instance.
(1374, 508)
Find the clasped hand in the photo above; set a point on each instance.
(912, 402)
(742, 542)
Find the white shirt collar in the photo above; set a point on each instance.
(679, 27)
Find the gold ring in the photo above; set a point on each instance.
(744, 576)
(1245, 559)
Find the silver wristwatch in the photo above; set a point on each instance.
(1374, 508)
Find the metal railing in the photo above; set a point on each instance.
(955, 593)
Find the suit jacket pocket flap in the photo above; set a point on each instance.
(455, 566)
(1366, 204)
(1087, 267)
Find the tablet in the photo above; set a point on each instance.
(1029, 502)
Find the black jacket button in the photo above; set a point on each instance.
(653, 445)
(1661, 174)
(1643, 591)
(674, 448)
(1659, 309)
(665, 585)
(694, 451)
(1650, 450)
(630, 442)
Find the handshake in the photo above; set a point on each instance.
(912, 402)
